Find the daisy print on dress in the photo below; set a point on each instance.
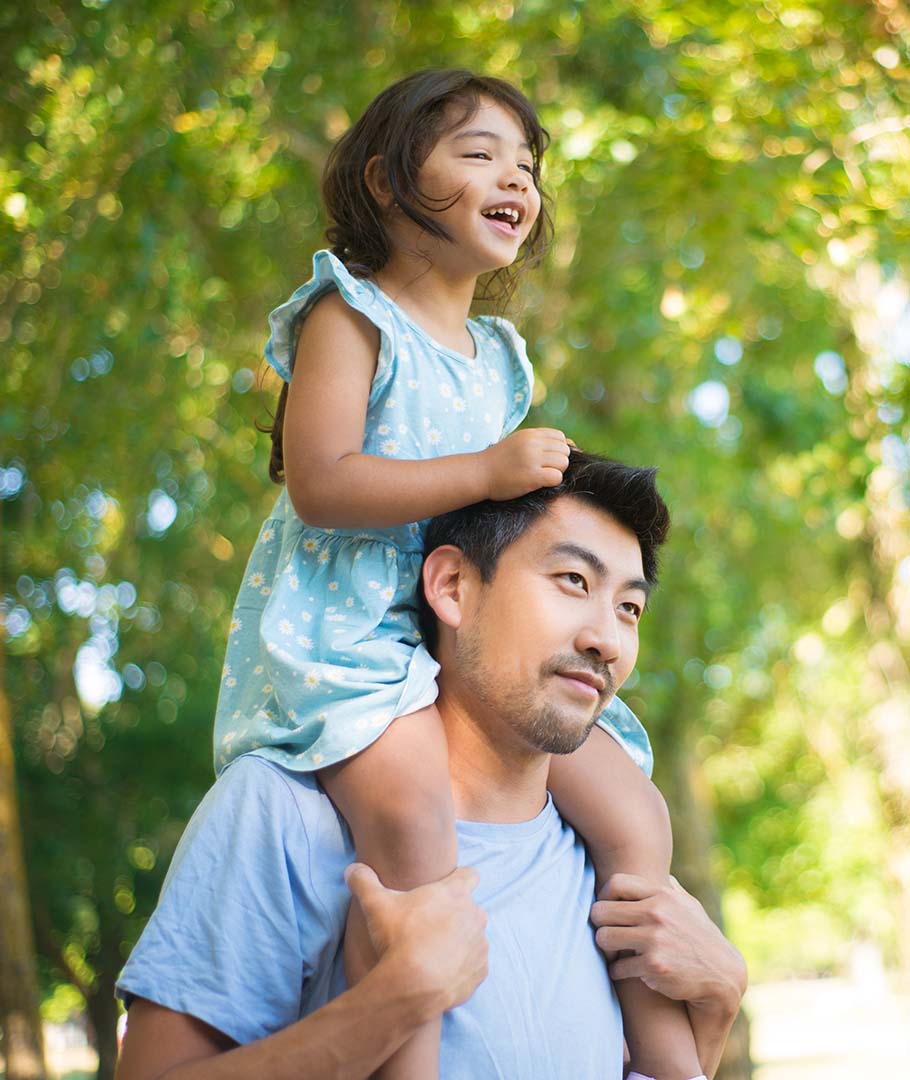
(339, 602)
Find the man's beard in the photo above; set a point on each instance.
(525, 707)
(546, 731)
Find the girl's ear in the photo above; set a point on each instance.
(377, 181)
(445, 577)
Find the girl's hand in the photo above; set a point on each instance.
(525, 461)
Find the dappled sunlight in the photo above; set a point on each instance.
(728, 298)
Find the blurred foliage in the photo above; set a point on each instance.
(727, 298)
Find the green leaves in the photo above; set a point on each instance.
(731, 186)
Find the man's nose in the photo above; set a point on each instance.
(600, 638)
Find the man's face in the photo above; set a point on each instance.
(546, 643)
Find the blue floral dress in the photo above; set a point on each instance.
(324, 649)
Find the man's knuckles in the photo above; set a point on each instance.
(657, 910)
(464, 879)
(658, 965)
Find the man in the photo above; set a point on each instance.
(246, 938)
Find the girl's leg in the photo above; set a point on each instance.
(624, 821)
(397, 799)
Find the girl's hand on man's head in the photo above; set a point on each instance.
(525, 461)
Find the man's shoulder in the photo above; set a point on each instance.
(257, 791)
(254, 901)
(261, 818)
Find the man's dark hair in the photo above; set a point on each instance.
(626, 493)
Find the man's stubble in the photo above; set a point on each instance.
(525, 708)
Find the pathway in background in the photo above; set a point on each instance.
(830, 1029)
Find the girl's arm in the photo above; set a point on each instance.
(624, 821)
(331, 483)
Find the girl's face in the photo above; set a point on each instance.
(488, 161)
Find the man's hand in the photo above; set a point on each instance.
(676, 949)
(436, 931)
(432, 955)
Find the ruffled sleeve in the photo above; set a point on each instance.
(520, 372)
(329, 273)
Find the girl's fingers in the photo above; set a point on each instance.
(550, 477)
(551, 437)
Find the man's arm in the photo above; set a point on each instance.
(432, 955)
(677, 951)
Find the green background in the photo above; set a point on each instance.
(727, 298)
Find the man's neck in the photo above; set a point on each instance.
(493, 778)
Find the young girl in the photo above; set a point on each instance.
(398, 407)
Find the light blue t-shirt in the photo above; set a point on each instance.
(248, 929)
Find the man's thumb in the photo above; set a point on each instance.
(361, 880)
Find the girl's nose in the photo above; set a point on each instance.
(517, 179)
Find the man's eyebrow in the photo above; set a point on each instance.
(477, 134)
(598, 565)
(641, 584)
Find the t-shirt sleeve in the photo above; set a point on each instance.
(519, 372)
(329, 274)
(228, 940)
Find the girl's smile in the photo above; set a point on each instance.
(478, 180)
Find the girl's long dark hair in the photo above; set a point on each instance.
(402, 125)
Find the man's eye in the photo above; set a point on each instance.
(480, 154)
(576, 579)
(632, 608)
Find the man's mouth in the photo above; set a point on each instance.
(585, 683)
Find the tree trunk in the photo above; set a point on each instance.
(103, 1013)
(687, 798)
(20, 1021)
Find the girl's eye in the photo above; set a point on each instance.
(480, 154)
(527, 168)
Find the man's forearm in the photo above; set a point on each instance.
(347, 1039)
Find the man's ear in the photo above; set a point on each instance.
(444, 578)
(377, 181)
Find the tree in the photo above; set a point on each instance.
(22, 1040)
(726, 175)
